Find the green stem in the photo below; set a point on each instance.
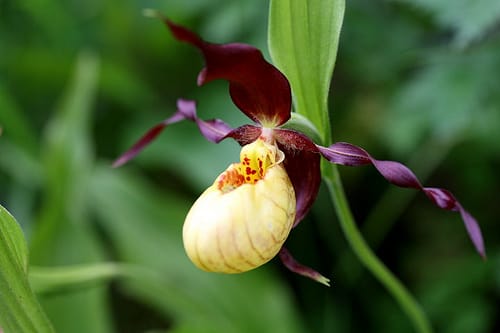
(366, 255)
(394, 201)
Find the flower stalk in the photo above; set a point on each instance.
(365, 254)
(316, 24)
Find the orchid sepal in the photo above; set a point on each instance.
(214, 130)
(256, 87)
(293, 265)
(303, 167)
(398, 174)
(147, 138)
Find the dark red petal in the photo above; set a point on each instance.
(298, 268)
(302, 163)
(214, 130)
(245, 134)
(398, 174)
(257, 88)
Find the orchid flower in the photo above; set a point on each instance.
(243, 219)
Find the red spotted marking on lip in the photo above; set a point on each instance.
(230, 180)
(250, 170)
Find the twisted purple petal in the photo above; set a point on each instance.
(347, 154)
(302, 164)
(296, 267)
(146, 139)
(214, 130)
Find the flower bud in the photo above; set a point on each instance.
(243, 219)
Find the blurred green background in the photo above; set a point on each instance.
(415, 81)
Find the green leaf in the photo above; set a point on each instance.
(12, 237)
(303, 42)
(300, 123)
(63, 235)
(67, 161)
(19, 309)
(65, 278)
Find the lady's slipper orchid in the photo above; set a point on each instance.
(244, 218)
(248, 213)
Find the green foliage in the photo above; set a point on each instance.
(80, 81)
(469, 20)
(455, 93)
(303, 41)
(19, 308)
